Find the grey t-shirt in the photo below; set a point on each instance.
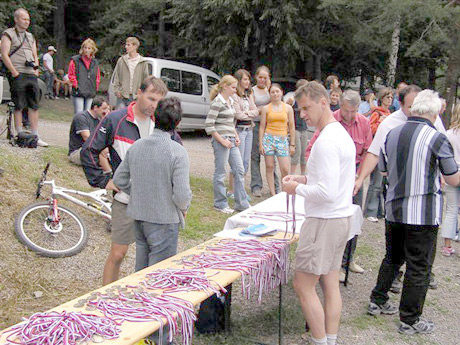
(23, 54)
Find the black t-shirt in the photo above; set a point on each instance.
(82, 121)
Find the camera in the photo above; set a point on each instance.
(31, 64)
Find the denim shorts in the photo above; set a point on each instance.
(275, 145)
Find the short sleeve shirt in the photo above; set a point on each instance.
(414, 156)
(49, 61)
(82, 121)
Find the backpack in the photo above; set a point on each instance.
(28, 140)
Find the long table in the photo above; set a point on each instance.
(277, 203)
(131, 332)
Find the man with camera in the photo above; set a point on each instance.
(19, 54)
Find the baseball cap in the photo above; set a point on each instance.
(52, 48)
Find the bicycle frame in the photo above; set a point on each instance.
(102, 208)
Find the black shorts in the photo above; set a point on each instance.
(25, 92)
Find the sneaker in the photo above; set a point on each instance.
(387, 308)
(421, 327)
(447, 251)
(257, 193)
(396, 286)
(66, 97)
(355, 268)
(42, 143)
(57, 97)
(433, 285)
(372, 219)
(226, 210)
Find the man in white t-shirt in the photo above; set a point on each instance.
(48, 64)
(327, 190)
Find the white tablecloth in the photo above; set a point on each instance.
(277, 203)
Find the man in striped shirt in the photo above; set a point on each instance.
(413, 157)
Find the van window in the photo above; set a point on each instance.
(171, 77)
(211, 82)
(192, 83)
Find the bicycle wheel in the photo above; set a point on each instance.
(35, 228)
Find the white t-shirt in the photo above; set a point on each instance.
(132, 63)
(49, 61)
(331, 175)
(454, 138)
(392, 121)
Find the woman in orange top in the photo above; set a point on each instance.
(385, 100)
(276, 122)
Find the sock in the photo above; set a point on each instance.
(18, 129)
(319, 341)
(34, 132)
(331, 339)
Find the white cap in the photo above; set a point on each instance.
(52, 48)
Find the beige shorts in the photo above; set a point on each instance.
(122, 224)
(74, 157)
(321, 245)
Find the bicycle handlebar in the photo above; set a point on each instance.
(43, 178)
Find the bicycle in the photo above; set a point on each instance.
(7, 124)
(54, 230)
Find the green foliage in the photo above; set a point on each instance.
(39, 11)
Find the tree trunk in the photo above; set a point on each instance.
(432, 76)
(161, 34)
(452, 76)
(393, 59)
(60, 34)
(317, 66)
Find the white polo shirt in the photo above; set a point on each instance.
(392, 121)
(331, 175)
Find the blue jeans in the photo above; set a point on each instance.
(49, 79)
(81, 103)
(374, 199)
(222, 155)
(450, 223)
(245, 147)
(154, 242)
(256, 177)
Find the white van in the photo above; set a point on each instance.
(191, 84)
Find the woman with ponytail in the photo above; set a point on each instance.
(225, 141)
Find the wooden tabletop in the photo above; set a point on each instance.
(131, 332)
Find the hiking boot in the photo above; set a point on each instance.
(387, 308)
(421, 327)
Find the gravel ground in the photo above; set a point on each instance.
(83, 272)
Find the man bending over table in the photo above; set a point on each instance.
(327, 190)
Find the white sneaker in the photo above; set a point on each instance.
(226, 210)
(42, 143)
(355, 268)
(372, 219)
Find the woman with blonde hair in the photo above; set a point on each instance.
(261, 99)
(450, 224)
(85, 76)
(276, 135)
(245, 111)
(225, 141)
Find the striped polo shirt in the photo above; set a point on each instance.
(221, 117)
(414, 156)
